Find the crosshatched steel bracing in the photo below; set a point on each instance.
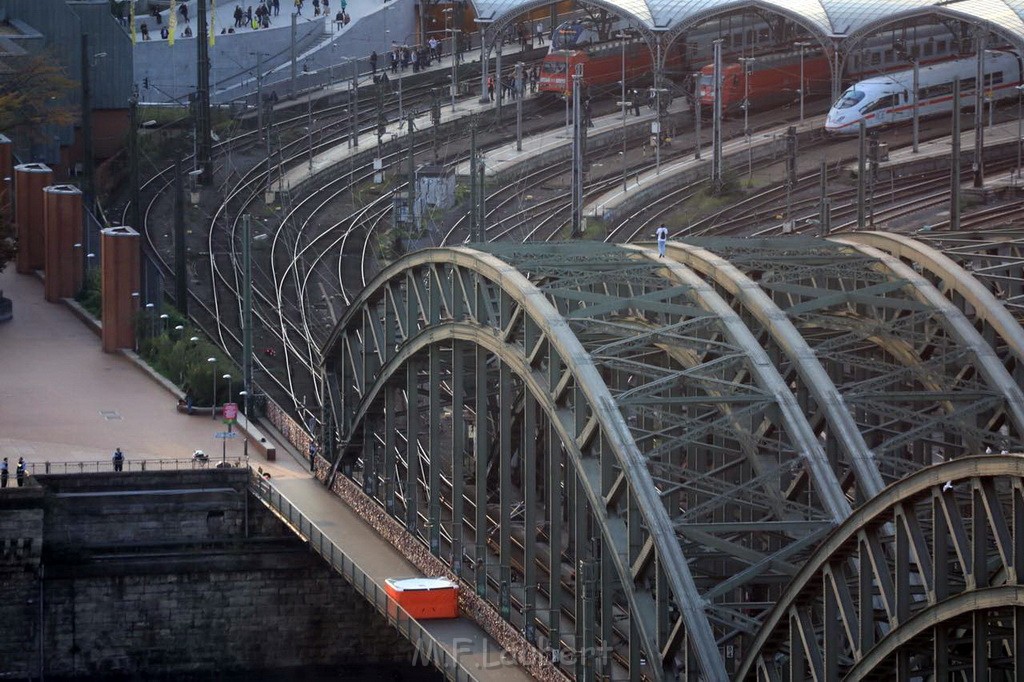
(641, 458)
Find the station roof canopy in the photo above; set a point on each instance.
(839, 19)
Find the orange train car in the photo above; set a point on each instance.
(424, 598)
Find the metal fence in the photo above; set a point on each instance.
(107, 466)
(427, 644)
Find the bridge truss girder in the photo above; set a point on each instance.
(651, 448)
(921, 581)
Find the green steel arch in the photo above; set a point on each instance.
(634, 456)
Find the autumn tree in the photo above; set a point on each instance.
(33, 96)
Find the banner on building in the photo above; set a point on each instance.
(131, 19)
(212, 31)
(172, 23)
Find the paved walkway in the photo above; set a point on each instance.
(62, 399)
(461, 637)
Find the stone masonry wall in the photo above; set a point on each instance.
(169, 574)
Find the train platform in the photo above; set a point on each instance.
(936, 153)
(64, 401)
(465, 106)
(768, 144)
(556, 144)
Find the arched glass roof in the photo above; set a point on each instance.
(833, 18)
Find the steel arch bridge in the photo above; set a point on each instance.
(641, 458)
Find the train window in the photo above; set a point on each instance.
(967, 84)
(876, 58)
(929, 49)
(553, 67)
(856, 61)
(940, 46)
(889, 54)
(750, 36)
(850, 98)
(995, 78)
(915, 51)
(935, 91)
(883, 102)
(726, 41)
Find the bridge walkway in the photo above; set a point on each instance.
(458, 647)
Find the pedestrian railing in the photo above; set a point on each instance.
(396, 616)
(128, 464)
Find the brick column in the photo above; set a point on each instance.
(62, 243)
(119, 263)
(29, 181)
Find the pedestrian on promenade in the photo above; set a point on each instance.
(4, 473)
(164, 33)
(238, 16)
(636, 102)
(184, 11)
(662, 234)
(19, 473)
(490, 88)
(144, 28)
(373, 63)
(277, 7)
(540, 33)
(118, 459)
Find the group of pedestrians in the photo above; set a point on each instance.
(258, 19)
(19, 473)
(531, 76)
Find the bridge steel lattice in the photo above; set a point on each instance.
(634, 458)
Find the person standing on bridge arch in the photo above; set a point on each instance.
(662, 234)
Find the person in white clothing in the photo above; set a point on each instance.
(662, 234)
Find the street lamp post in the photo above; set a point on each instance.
(213, 399)
(152, 320)
(245, 436)
(802, 45)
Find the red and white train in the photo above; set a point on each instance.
(886, 99)
(774, 78)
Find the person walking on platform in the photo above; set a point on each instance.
(373, 63)
(540, 33)
(19, 473)
(490, 88)
(4, 473)
(118, 460)
(662, 234)
(636, 102)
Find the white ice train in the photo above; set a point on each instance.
(886, 99)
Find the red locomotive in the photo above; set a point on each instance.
(773, 79)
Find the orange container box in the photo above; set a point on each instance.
(424, 598)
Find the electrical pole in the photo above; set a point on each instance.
(133, 160)
(180, 280)
(355, 102)
(259, 94)
(696, 115)
(204, 144)
(917, 88)
(979, 111)
(716, 122)
(294, 54)
(862, 171)
(517, 84)
(790, 174)
(247, 312)
(89, 162)
(473, 211)
(577, 154)
(411, 193)
(954, 181)
(824, 203)
(482, 202)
